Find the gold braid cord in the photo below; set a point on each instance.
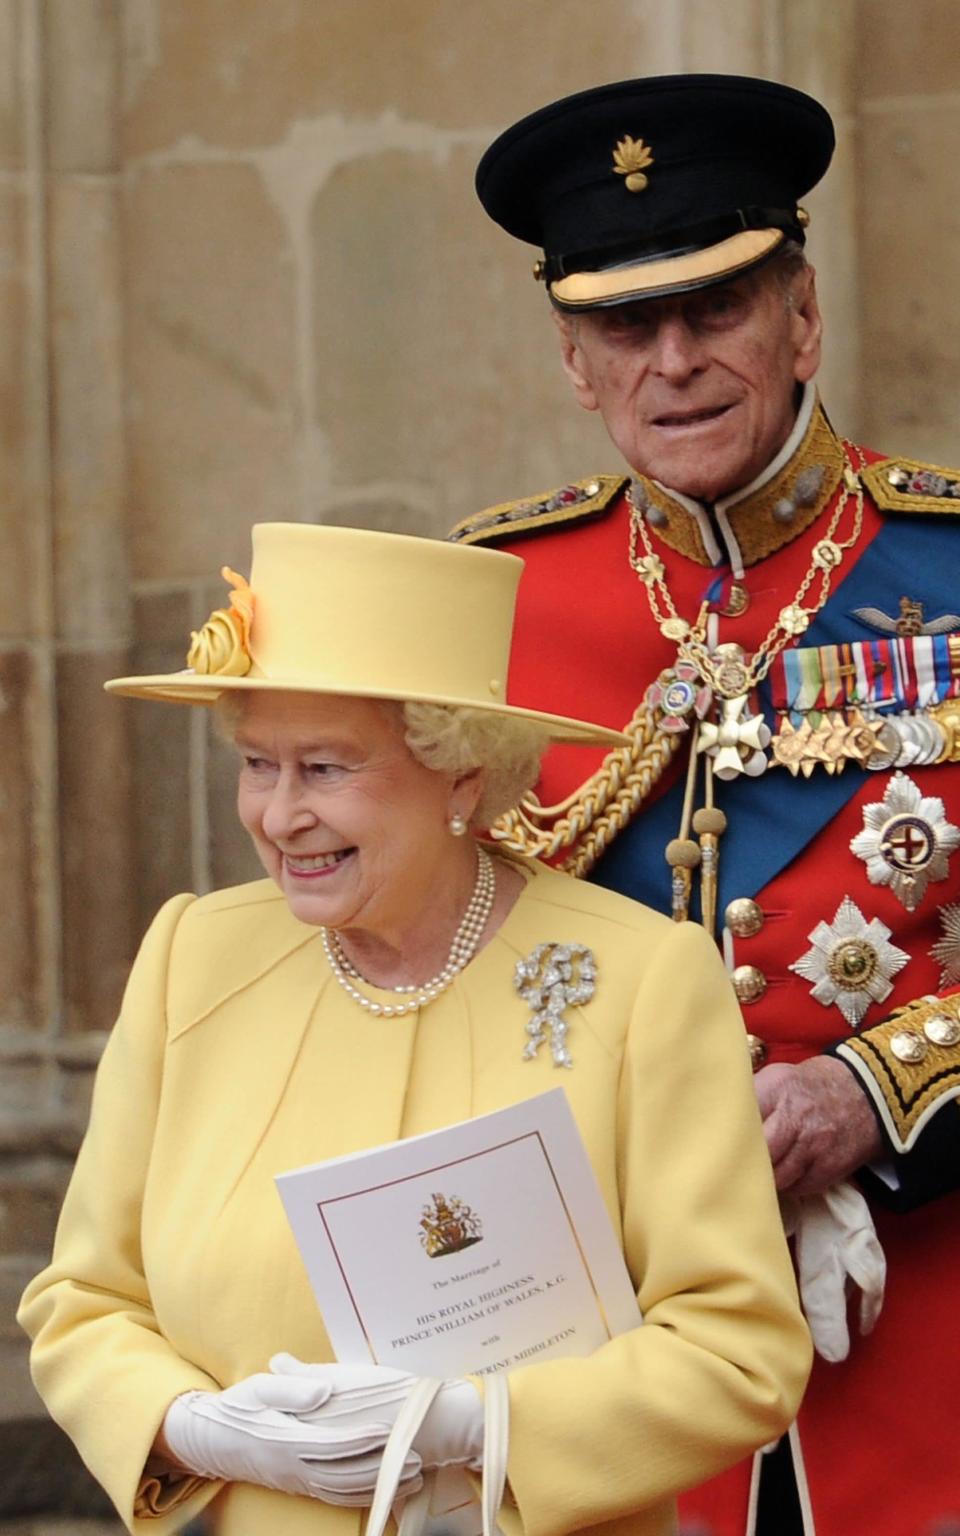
(601, 807)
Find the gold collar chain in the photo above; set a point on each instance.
(728, 675)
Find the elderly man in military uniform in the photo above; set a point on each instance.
(771, 612)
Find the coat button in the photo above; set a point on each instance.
(743, 917)
(908, 1046)
(758, 1051)
(942, 1030)
(749, 983)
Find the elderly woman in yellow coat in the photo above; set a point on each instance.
(362, 993)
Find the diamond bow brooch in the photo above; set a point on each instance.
(552, 978)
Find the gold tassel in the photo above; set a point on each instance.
(709, 823)
(682, 853)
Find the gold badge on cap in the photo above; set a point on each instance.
(630, 159)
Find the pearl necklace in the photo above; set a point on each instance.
(466, 941)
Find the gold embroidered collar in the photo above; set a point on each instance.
(766, 517)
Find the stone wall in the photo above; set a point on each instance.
(244, 276)
(909, 126)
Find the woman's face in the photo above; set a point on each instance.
(345, 820)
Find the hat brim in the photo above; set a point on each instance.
(660, 277)
(195, 688)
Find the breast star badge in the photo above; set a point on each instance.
(946, 951)
(906, 841)
(851, 962)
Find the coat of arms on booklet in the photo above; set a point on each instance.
(493, 1235)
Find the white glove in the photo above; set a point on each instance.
(835, 1243)
(450, 1435)
(270, 1429)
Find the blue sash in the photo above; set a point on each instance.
(771, 819)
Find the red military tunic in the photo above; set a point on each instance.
(877, 1429)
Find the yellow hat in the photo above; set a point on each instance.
(373, 615)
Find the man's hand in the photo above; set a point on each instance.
(818, 1124)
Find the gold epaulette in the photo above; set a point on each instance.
(569, 504)
(908, 485)
(910, 1064)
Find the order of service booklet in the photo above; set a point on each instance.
(480, 1247)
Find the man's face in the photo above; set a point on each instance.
(698, 390)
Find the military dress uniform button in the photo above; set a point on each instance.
(942, 1030)
(749, 983)
(758, 1051)
(908, 1046)
(743, 917)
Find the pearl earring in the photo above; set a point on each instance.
(457, 824)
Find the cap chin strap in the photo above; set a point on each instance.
(496, 1434)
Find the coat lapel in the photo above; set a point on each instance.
(264, 1043)
(226, 944)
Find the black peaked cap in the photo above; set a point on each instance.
(646, 171)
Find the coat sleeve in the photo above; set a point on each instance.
(719, 1364)
(98, 1360)
(916, 1100)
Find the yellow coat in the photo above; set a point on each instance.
(237, 1056)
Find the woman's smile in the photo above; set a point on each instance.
(310, 866)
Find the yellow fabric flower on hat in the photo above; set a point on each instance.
(222, 647)
(241, 601)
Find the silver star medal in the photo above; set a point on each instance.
(946, 951)
(906, 841)
(552, 978)
(851, 962)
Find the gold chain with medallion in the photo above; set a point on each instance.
(590, 818)
(737, 742)
(728, 676)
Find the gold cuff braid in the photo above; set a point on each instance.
(910, 1064)
(601, 807)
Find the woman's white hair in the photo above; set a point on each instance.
(452, 738)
